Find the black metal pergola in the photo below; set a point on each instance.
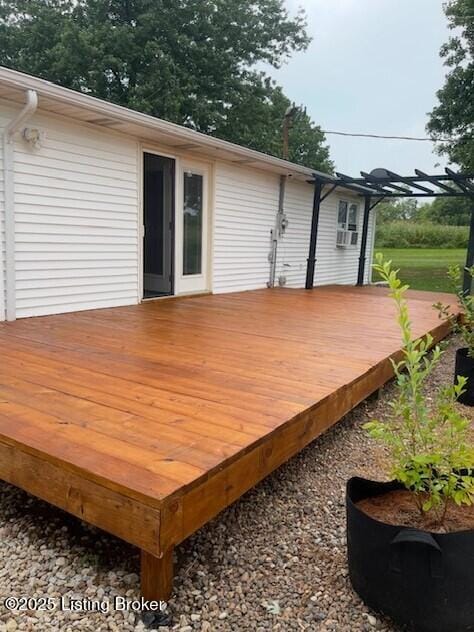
(383, 184)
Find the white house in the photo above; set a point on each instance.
(102, 206)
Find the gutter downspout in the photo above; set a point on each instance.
(9, 203)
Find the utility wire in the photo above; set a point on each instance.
(417, 138)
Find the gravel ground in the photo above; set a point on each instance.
(276, 560)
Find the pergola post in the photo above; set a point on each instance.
(318, 188)
(383, 184)
(363, 241)
(467, 284)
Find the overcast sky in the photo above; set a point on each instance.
(374, 67)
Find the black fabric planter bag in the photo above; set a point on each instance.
(465, 366)
(420, 579)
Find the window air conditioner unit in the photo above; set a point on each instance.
(346, 238)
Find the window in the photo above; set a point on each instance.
(192, 223)
(347, 223)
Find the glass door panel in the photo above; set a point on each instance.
(192, 228)
(192, 223)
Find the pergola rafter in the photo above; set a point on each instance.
(381, 184)
(379, 187)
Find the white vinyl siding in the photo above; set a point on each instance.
(3, 122)
(245, 209)
(76, 220)
(77, 223)
(246, 202)
(333, 264)
(292, 253)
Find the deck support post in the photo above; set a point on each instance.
(470, 256)
(157, 575)
(363, 241)
(318, 188)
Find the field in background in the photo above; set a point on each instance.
(424, 268)
(404, 234)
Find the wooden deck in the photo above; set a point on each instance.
(148, 420)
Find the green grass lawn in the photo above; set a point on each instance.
(424, 268)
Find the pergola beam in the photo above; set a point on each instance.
(348, 183)
(328, 192)
(410, 182)
(373, 181)
(435, 181)
(427, 195)
(466, 186)
(392, 177)
(383, 184)
(391, 184)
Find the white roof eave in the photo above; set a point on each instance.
(21, 81)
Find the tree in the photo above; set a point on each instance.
(453, 117)
(262, 108)
(395, 210)
(448, 211)
(188, 61)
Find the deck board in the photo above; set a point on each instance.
(182, 405)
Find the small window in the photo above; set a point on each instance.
(352, 219)
(347, 220)
(342, 217)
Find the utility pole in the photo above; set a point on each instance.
(290, 113)
(280, 219)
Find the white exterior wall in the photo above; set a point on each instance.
(4, 116)
(333, 264)
(245, 204)
(292, 252)
(76, 220)
(77, 216)
(245, 208)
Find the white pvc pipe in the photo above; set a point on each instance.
(9, 309)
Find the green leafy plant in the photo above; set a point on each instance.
(463, 326)
(409, 234)
(427, 439)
